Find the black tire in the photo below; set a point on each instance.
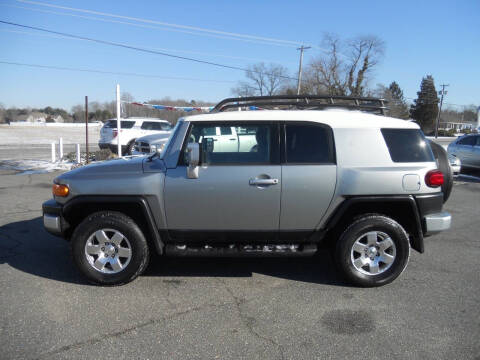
(137, 262)
(129, 148)
(344, 256)
(441, 156)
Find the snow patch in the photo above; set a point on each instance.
(26, 167)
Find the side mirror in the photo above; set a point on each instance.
(193, 159)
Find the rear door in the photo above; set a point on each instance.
(237, 194)
(309, 174)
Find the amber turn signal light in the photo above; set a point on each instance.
(60, 190)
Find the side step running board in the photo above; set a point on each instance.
(242, 250)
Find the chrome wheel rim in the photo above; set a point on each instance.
(108, 251)
(373, 253)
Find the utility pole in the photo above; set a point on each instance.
(441, 92)
(299, 83)
(86, 130)
(119, 124)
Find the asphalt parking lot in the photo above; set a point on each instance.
(231, 309)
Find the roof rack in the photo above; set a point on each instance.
(303, 102)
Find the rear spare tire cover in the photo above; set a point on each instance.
(441, 157)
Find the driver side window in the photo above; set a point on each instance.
(234, 143)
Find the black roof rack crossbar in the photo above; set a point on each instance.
(310, 102)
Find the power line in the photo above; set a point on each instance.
(145, 26)
(409, 98)
(196, 29)
(111, 72)
(159, 49)
(111, 43)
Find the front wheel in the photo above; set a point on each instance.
(373, 251)
(109, 248)
(129, 149)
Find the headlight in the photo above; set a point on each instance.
(157, 148)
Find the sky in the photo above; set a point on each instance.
(422, 37)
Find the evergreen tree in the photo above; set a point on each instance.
(396, 102)
(425, 107)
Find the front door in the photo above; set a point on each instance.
(464, 150)
(237, 193)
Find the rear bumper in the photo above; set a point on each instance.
(53, 220)
(434, 219)
(437, 222)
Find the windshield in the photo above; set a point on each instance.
(172, 136)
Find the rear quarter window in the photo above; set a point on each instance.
(407, 145)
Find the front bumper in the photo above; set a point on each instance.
(53, 220)
(113, 147)
(437, 222)
(135, 152)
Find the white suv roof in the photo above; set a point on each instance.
(139, 118)
(335, 118)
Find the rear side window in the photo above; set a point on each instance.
(155, 125)
(407, 145)
(125, 124)
(469, 140)
(309, 144)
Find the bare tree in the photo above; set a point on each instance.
(345, 67)
(243, 89)
(262, 80)
(78, 113)
(2, 114)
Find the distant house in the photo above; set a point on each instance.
(58, 119)
(457, 126)
(34, 117)
(39, 117)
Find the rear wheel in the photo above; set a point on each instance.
(373, 251)
(109, 248)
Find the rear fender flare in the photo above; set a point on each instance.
(416, 231)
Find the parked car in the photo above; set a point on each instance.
(150, 144)
(364, 186)
(131, 129)
(455, 164)
(467, 149)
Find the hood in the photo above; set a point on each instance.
(154, 138)
(110, 168)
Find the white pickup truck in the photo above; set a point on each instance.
(231, 138)
(131, 129)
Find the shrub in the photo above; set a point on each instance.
(99, 155)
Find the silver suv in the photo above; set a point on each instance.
(273, 183)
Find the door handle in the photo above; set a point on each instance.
(263, 182)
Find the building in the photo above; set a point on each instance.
(457, 126)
